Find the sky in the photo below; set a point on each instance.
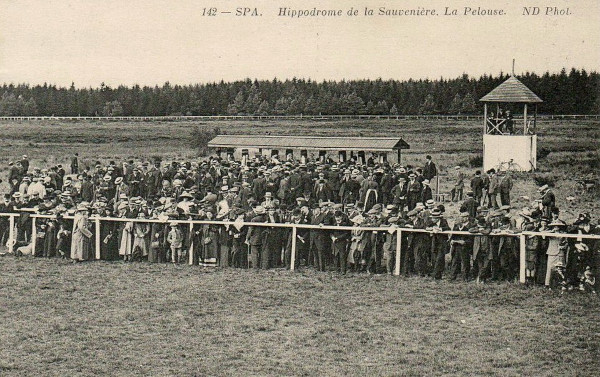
(150, 42)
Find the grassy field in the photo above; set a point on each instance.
(451, 142)
(102, 318)
(571, 148)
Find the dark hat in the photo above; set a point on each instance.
(583, 218)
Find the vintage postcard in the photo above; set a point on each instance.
(299, 188)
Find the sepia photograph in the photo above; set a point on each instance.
(299, 188)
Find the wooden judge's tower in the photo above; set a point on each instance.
(510, 143)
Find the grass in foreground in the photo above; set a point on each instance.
(103, 318)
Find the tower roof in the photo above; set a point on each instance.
(511, 90)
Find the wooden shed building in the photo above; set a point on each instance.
(340, 149)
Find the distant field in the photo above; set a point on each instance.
(116, 319)
(572, 145)
(101, 139)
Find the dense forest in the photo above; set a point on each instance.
(573, 92)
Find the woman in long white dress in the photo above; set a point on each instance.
(81, 242)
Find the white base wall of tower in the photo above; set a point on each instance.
(500, 149)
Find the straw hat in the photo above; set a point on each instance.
(186, 194)
(357, 219)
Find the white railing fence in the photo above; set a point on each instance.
(294, 227)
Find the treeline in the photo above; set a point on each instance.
(573, 92)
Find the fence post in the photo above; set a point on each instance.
(97, 221)
(522, 260)
(293, 251)
(398, 251)
(11, 234)
(191, 250)
(33, 235)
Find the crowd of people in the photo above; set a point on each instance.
(320, 193)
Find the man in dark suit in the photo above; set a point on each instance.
(87, 189)
(461, 247)
(439, 242)
(413, 192)
(322, 192)
(259, 187)
(319, 238)
(429, 170)
(306, 181)
(426, 193)
(302, 239)
(75, 163)
(470, 205)
(25, 164)
(399, 193)
(153, 180)
(340, 241)
(5, 207)
(255, 236)
(15, 173)
(548, 200)
(477, 186)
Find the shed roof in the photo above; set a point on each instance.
(511, 90)
(309, 142)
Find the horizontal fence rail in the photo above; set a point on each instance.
(96, 220)
(283, 117)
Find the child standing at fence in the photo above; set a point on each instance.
(175, 240)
